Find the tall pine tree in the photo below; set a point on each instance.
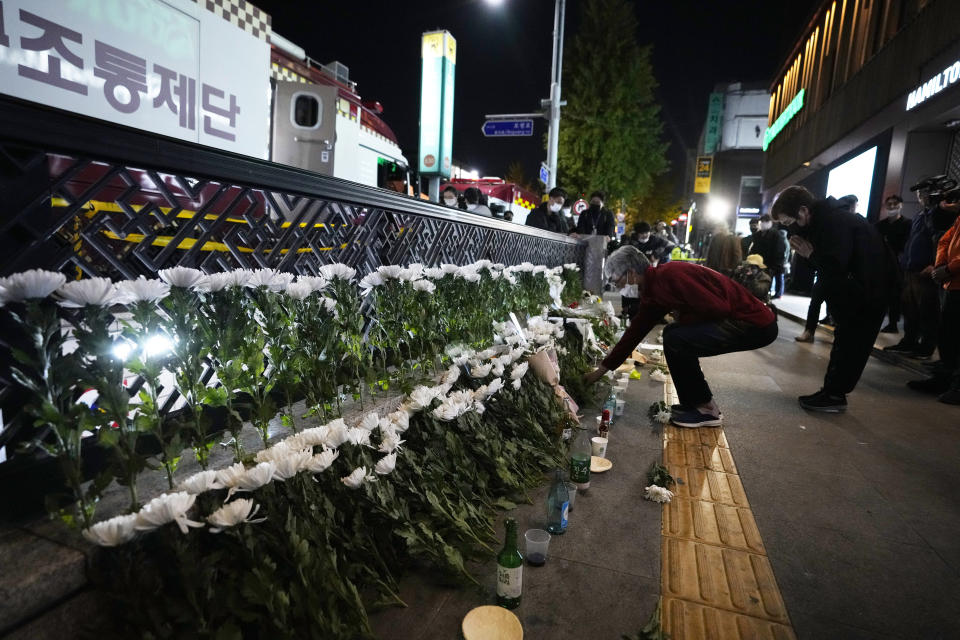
(610, 134)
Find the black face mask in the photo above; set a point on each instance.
(594, 208)
(795, 229)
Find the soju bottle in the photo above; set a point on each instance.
(611, 403)
(509, 569)
(558, 506)
(580, 453)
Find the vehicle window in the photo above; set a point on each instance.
(305, 111)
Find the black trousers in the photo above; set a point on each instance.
(813, 311)
(684, 345)
(855, 333)
(921, 310)
(949, 341)
(893, 301)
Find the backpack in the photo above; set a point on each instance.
(754, 279)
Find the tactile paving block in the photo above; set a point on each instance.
(698, 455)
(703, 484)
(711, 523)
(720, 577)
(712, 436)
(683, 620)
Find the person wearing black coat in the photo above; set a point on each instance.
(548, 215)
(596, 220)
(856, 270)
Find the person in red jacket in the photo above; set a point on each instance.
(714, 315)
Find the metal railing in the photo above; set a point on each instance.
(88, 198)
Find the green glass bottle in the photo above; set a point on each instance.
(580, 452)
(509, 569)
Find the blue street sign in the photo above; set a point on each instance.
(544, 174)
(506, 128)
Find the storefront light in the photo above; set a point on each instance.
(718, 208)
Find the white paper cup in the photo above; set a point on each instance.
(620, 405)
(599, 446)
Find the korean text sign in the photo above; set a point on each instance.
(166, 66)
(439, 54)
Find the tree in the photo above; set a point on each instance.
(659, 204)
(610, 134)
(516, 175)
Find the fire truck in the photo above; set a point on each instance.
(320, 123)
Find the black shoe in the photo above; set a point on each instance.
(825, 402)
(922, 354)
(950, 397)
(901, 347)
(935, 385)
(828, 320)
(890, 328)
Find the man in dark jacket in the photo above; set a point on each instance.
(855, 271)
(596, 220)
(547, 215)
(894, 229)
(771, 245)
(653, 245)
(747, 242)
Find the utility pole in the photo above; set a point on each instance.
(553, 137)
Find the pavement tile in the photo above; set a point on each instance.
(877, 585)
(703, 484)
(683, 620)
(709, 523)
(727, 579)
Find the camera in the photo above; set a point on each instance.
(940, 188)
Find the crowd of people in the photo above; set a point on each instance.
(866, 273)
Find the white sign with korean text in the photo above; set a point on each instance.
(166, 66)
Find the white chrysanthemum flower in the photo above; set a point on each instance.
(494, 386)
(662, 416)
(509, 277)
(449, 269)
(239, 478)
(98, 292)
(451, 410)
(656, 356)
(26, 285)
(112, 532)
(371, 280)
(516, 384)
(182, 276)
(356, 478)
(658, 375)
(274, 453)
(370, 422)
(322, 461)
(200, 482)
(215, 282)
(240, 277)
(497, 369)
(517, 353)
(386, 464)
(337, 434)
(451, 375)
(329, 305)
(358, 437)
(169, 507)
(233, 513)
(519, 370)
(338, 271)
(412, 273)
(142, 290)
(481, 370)
(486, 354)
(390, 442)
(424, 285)
(572, 266)
(390, 271)
(400, 420)
(316, 283)
(421, 397)
(269, 278)
(656, 493)
(299, 290)
(434, 273)
(312, 437)
(539, 269)
(469, 276)
(291, 464)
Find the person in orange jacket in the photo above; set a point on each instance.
(946, 272)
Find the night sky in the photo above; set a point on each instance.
(503, 59)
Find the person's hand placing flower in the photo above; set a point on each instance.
(595, 375)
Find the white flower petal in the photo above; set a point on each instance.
(112, 532)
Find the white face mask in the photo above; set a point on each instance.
(555, 207)
(450, 202)
(471, 206)
(630, 291)
(566, 211)
(765, 225)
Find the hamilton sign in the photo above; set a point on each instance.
(934, 85)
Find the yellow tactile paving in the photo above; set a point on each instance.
(716, 580)
(712, 523)
(701, 456)
(683, 619)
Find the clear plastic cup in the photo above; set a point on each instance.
(537, 541)
(572, 490)
(620, 406)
